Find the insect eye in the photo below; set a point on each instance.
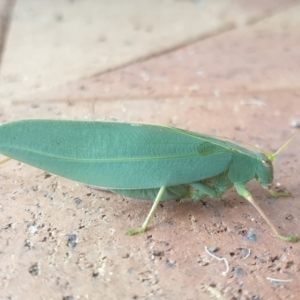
(267, 163)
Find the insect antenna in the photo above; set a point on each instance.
(273, 155)
(3, 161)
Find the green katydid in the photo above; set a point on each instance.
(140, 160)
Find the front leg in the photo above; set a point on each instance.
(275, 194)
(241, 190)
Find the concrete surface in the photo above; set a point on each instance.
(63, 240)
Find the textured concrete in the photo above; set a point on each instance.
(54, 42)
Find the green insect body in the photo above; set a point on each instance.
(139, 160)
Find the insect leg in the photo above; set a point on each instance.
(202, 190)
(214, 187)
(244, 193)
(275, 194)
(150, 215)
